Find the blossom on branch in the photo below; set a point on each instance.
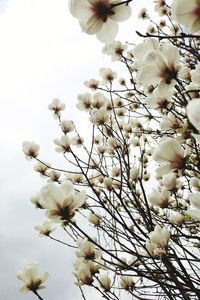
(170, 154)
(61, 202)
(158, 241)
(45, 228)
(100, 17)
(160, 68)
(32, 281)
(30, 149)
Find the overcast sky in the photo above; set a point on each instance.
(43, 55)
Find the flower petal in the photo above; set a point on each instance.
(108, 31)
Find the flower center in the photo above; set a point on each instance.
(102, 10)
(168, 74)
(178, 162)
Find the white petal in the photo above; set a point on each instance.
(195, 26)
(93, 25)
(195, 200)
(80, 9)
(193, 112)
(108, 31)
(148, 74)
(194, 213)
(121, 13)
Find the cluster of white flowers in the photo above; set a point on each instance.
(141, 172)
(86, 264)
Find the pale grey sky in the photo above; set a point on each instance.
(43, 55)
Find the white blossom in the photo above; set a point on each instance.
(94, 219)
(67, 126)
(61, 202)
(99, 17)
(170, 154)
(45, 228)
(57, 107)
(105, 282)
(107, 75)
(63, 144)
(160, 199)
(32, 281)
(161, 68)
(30, 149)
(87, 250)
(115, 50)
(127, 283)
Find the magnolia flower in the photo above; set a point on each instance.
(160, 68)
(67, 126)
(63, 144)
(170, 154)
(92, 84)
(84, 101)
(99, 116)
(54, 175)
(108, 75)
(115, 50)
(83, 274)
(108, 183)
(30, 149)
(77, 141)
(45, 229)
(32, 281)
(99, 100)
(100, 17)
(87, 250)
(158, 241)
(193, 112)
(134, 173)
(170, 122)
(160, 236)
(176, 218)
(41, 168)
(141, 50)
(127, 283)
(159, 102)
(36, 200)
(61, 202)
(94, 219)
(105, 282)
(187, 13)
(56, 106)
(160, 199)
